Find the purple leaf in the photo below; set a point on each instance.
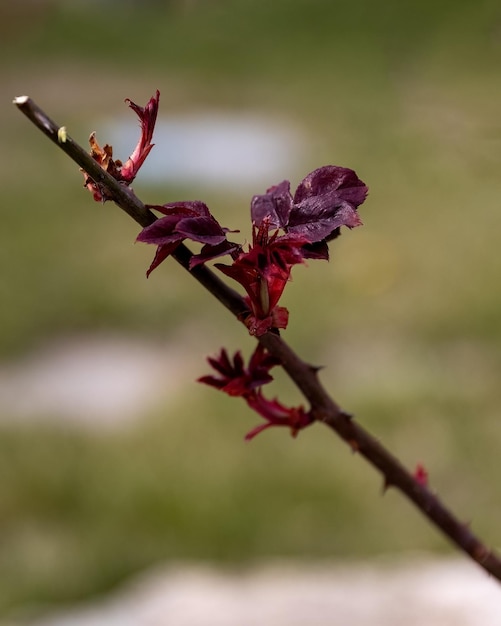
(209, 252)
(317, 250)
(325, 200)
(201, 229)
(332, 178)
(161, 254)
(275, 204)
(195, 208)
(162, 231)
(317, 218)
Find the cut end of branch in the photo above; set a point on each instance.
(20, 99)
(62, 135)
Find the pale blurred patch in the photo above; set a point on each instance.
(413, 592)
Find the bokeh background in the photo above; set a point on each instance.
(406, 317)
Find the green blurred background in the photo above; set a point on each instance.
(406, 316)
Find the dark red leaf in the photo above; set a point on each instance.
(237, 380)
(201, 229)
(147, 117)
(162, 231)
(318, 250)
(325, 200)
(274, 205)
(187, 207)
(161, 254)
(210, 252)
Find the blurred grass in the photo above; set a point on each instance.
(407, 319)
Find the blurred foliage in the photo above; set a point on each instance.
(406, 315)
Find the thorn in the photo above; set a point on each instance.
(481, 554)
(346, 415)
(386, 485)
(353, 445)
(20, 99)
(315, 368)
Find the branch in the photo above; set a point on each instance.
(304, 375)
(126, 199)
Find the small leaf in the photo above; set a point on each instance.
(161, 254)
(274, 205)
(210, 252)
(147, 118)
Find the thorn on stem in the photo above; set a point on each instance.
(387, 484)
(481, 554)
(353, 445)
